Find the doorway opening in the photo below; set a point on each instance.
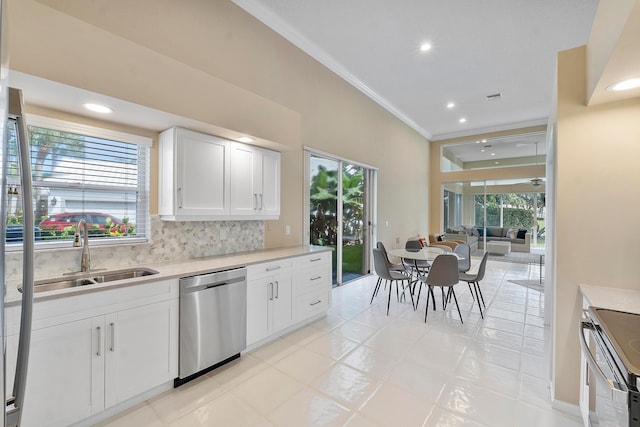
(340, 207)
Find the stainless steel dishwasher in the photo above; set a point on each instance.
(213, 321)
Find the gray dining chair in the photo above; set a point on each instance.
(392, 266)
(475, 280)
(464, 261)
(417, 266)
(444, 274)
(382, 270)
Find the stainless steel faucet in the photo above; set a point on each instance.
(85, 264)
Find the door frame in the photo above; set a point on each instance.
(369, 209)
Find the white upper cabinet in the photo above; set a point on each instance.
(255, 182)
(203, 177)
(194, 175)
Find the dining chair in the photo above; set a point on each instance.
(444, 274)
(392, 266)
(475, 280)
(382, 270)
(464, 261)
(417, 266)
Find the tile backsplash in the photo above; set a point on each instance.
(168, 241)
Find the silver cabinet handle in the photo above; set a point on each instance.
(277, 289)
(270, 291)
(316, 278)
(316, 303)
(99, 352)
(315, 259)
(277, 267)
(113, 336)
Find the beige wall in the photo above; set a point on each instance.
(597, 206)
(210, 61)
(438, 178)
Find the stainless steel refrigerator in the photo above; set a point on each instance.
(11, 115)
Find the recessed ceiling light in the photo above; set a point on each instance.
(451, 105)
(477, 142)
(424, 47)
(245, 139)
(625, 85)
(497, 163)
(462, 120)
(482, 151)
(493, 154)
(97, 108)
(484, 140)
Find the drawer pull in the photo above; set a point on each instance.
(316, 278)
(277, 267)
(315, 259)
(316, 303)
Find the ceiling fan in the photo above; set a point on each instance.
(536, 182)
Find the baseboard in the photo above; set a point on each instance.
(124, 406)
(567, 408)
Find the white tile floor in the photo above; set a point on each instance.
(360, 367)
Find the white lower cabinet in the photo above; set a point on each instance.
(65, 377)
(283, 293)
(78, 368)
(313, 285)
(269, 299)
(138, 350)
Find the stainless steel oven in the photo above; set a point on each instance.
(610, 343)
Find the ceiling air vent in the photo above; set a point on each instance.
(494, 97)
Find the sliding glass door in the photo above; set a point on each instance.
(339, 214)
(468, 207)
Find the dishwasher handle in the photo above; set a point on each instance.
(212, 280)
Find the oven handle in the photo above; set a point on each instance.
(618, 393)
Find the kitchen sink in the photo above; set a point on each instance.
(91, 278)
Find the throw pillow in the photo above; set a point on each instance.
(440, 238)
(521, 233)
(480, 232)
(512, 233)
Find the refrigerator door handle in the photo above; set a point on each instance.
(16, 109)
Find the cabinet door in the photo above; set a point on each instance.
(259, 298)
(65, 381)
(282, 303)
(246, 179)
(202, 185)
(270, 195)
(140, 349)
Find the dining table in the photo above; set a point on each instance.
(424, 254)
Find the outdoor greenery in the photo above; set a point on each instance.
(324, 204)
(323, 213)
(517, 209)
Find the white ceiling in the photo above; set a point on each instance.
(480, 47)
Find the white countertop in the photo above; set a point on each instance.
(612, 298)
(176, 269)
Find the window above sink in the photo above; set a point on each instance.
(81, 172)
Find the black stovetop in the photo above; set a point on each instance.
(623, 331)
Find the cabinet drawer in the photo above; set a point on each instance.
(314, 260)
(268, 269)
(313, 279)
(312, 304)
